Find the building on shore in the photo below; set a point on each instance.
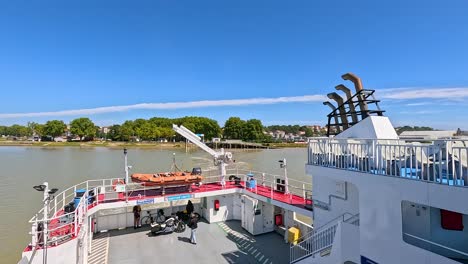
(461, 133)
(430, 134)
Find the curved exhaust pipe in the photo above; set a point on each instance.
(352, 109)
(333, 108)
(356, 80)
(358, 86)
(341, 109)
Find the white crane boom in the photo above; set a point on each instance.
(190, 136)
(220, 158)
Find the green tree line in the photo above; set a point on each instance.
(143, 129)
(400, 130)
(153, 129)
(160, 127)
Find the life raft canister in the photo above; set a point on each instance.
(117, 182)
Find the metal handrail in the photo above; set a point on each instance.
(449, 139)
(305, 244)
(439, 162)
(354, 220)
(316, 242)
(243, 172)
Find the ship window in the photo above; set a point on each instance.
(435, 229)
(451, 220)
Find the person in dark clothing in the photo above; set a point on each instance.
(193, 224)
(136, 216)
(189, 208)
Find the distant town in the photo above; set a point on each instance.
(159, 129)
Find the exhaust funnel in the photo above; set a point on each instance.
(341, 109)
(334, 116)
(352, 109)
(358, 86)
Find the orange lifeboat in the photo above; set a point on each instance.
(167, 179)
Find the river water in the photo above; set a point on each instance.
(23, 167)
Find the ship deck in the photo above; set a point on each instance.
(64, 227)
(224, 242)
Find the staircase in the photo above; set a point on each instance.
(312, 243)
(319, 240)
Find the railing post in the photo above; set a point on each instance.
(274, 181)
(454, 171)
(446, 161)
(440, 165)
(75, 221)
(303, 191)
(271, 191)
(460, 166)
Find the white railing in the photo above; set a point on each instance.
(319, 239)
(442, 162)
(64, 226)
(295, 187)
(354, 220)
(316, 241)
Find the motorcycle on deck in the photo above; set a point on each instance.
(171, 224)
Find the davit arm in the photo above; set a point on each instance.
(220, 158)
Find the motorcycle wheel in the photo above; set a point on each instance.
(180, 227)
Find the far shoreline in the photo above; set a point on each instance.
(122, 144)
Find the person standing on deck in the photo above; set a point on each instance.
(189, 208)
(136, 216)
(193, 224)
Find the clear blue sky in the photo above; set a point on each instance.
(71, 55)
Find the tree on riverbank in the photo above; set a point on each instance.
(253, 130)
(233, 128)
(250, 130)
(15, 130)
(54, 128)
(36, 129)
(83, 127)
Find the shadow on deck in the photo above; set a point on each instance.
(224, 242)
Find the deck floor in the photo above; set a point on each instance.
(224, 242)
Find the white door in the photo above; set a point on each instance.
(237, 208)
(248, 213)
(268, 217)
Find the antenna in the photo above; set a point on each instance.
(174, 167)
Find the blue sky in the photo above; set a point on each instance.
(61, 56)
